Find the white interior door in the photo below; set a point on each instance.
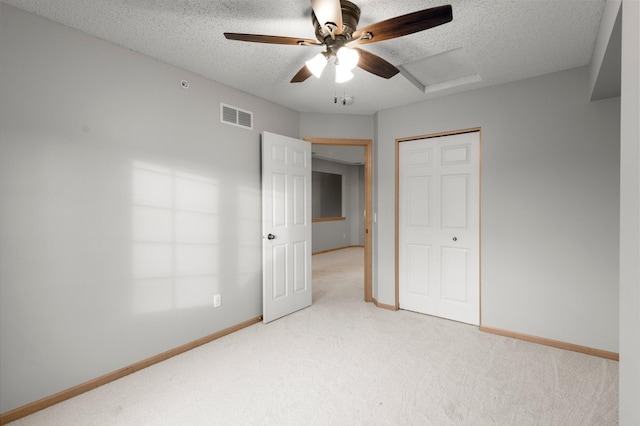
(286, 225)
(439, 226)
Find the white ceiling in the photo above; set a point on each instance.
(505, 40)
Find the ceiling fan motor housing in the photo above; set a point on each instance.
(350, 18)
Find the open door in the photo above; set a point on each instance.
(286, 225)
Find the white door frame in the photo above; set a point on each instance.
(397, 212)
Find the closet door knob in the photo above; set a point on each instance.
(271, 237)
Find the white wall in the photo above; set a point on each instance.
(630, 217)
(342, 233)
(78, 118)
(550, 203)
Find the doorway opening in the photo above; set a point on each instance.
(367, 145)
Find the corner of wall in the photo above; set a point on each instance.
(601, 67)
(629, 390)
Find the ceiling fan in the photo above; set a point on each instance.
(335, 23)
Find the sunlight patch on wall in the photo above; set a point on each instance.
(249, 230)
(175, 236)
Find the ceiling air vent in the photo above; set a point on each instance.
(236, 116)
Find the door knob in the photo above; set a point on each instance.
(271, 237)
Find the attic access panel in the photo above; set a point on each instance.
(441, 71)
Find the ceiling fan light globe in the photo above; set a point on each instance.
(343, 74)
(316, 64)
(348, 57)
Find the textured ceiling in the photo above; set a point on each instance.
(505, 40)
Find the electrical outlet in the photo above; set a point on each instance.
(216, 300)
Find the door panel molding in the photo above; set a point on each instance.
(451, 156)
(286, 225)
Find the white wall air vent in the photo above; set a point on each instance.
(236, 116)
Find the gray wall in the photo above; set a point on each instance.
(82, 122)
(76, 112)
(604, 75)
(550, 203)
(342, 126)
(335, 234)
(630, 217)
(357, 233)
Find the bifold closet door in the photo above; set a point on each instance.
(439, 226)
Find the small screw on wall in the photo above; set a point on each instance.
(184, 84)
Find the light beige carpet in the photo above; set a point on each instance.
(346, 362)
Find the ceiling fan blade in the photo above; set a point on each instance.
(328, 11)
(375, 64)
(302, 75)
(259, 38)
(406, 24)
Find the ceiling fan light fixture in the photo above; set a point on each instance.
(316, 64)
(343, 74)
(335, 23)
(348, 57)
